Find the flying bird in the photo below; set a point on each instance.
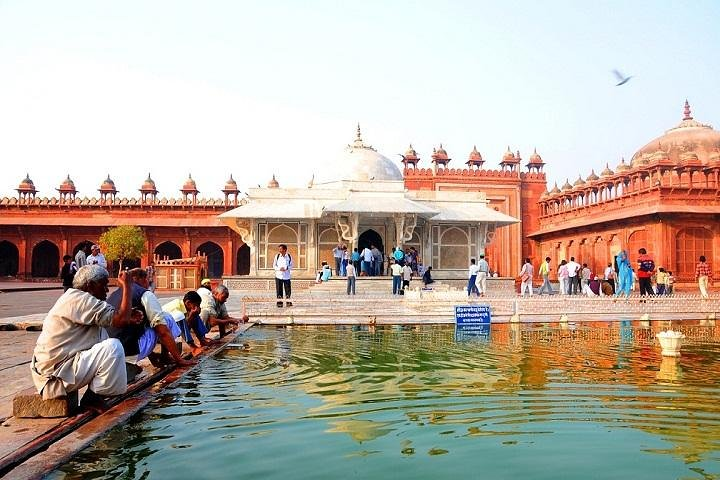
(622, 79)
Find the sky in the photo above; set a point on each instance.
(252, 89)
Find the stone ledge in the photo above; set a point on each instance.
(28, 404)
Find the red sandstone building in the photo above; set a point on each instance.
(666, 199)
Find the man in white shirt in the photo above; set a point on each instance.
(282, 265)
(573, 268)
(337, 255)
(472, 277)
(72, 351)
(97, 258)
(483, 271)
(366, 264)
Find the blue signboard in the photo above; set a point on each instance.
(472, 320)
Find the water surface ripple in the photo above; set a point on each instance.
(549, 401)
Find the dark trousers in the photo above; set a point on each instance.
(281, 285)
(575, 286)
(645, 286)
(338, 261)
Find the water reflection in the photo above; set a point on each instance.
(400, 392)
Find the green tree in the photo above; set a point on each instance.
(124, 241)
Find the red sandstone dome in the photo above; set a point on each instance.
(26, 185)
(593, 176)
(535, 158)
(67, 186)
(189, 186)
(273, 183)
(230, 185)
(689, 137)
(148, 185)
(108, 185)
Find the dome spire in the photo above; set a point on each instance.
(686, 112)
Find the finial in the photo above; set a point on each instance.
(358, 136)
(688, 114)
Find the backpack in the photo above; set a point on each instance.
(647, 265)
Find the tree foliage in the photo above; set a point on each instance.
(124, 241)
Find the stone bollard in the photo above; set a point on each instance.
(670, 342)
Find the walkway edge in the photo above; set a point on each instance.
(42, 458)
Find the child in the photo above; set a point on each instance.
(661, 280)
(669, 283)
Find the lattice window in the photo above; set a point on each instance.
(690, 243)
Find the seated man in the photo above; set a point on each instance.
(214, 312)
(141, 339)
(427, 277)
(73, 351)
(186, 312)
(592, 289)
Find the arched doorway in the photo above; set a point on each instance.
(368, 238)
(9, 259)
(45, 260)
(168, 250)
(243, 260)
(215, 258)
(80, 245)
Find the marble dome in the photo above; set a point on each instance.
(361, 162)
(690, 136)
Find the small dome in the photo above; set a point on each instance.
(26, 185)
(410, 152)
(607, 172)
(108, 185)
(592, 177)
(148, 185)
(579, 182)
(535, 158)
(475, 157)
(67, 186)
(714, 158)
(189, 185)
(440, 155)
(567, 186)
(230, 185)
(689, 159)
(623, 167)
(509, 157)
(555, 190)
(273, 183)
(660, 156)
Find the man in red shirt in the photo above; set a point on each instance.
(703, 272)
(646, 267)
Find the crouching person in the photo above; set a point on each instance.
(213, 311)
(186, 312)
(73, 350)
(156, 327)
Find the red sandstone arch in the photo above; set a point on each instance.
(77, 247)
(168, 250)
(215, 257)
(637, 240)
(45, 260)
(9, 259)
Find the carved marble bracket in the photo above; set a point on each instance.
(404, 227)
(487, 233)
(346, 225)
(247, 232)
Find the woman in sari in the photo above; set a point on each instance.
(625, 274)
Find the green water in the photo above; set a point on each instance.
(541, 403)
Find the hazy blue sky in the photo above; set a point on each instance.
(255, 88)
